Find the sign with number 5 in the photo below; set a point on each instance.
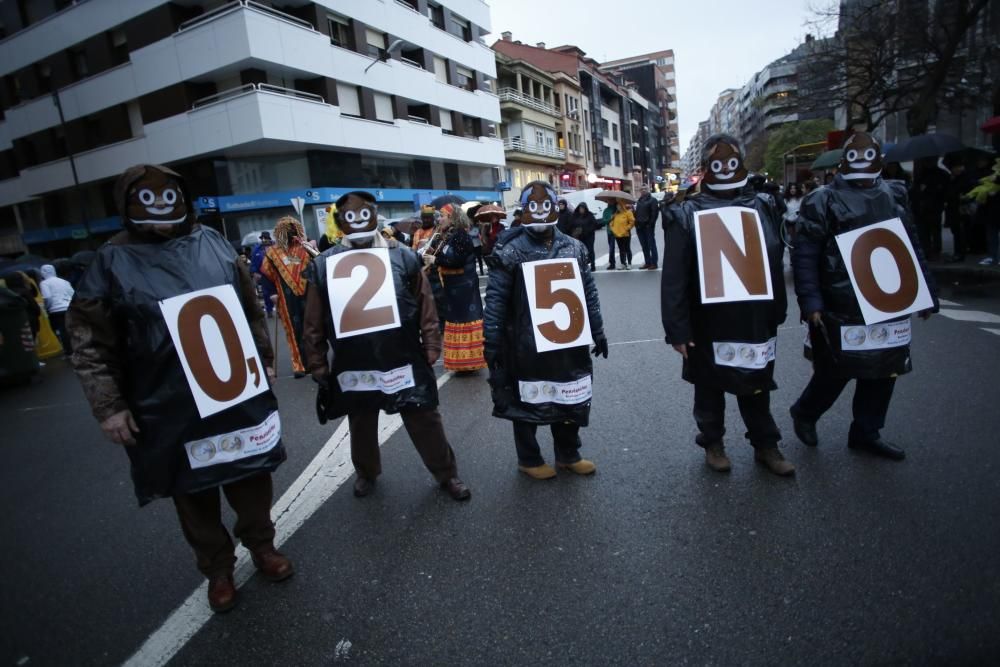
(362, 293)
(216, 348)
(559, 317)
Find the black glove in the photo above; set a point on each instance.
(322, 398)
(600, 346)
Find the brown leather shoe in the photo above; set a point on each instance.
(581, 467)
(772, 459)
(363, 487)
(716, 459)
(274, 565)
(456, 489)
(221, 592)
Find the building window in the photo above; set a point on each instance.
(436, 14)
(350, 100)
(607, 155)
(461, 28)
(446, 126)
(614, 131)
(469, 126)
(618, 158)
(340, 31)
(119, 46)
(604, 126)
(464, 78)
(588, 151)
(383, 107)
(539, 137)
(376, 43)
(78, 61)
(586, 120)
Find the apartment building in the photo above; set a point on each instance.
(253, 102)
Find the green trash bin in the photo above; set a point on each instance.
(18, 362)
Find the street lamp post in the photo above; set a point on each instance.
(72, 163)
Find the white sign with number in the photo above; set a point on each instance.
(361, 291)
(216, 348)
(884, 271)
(732, 255)
(558, 306)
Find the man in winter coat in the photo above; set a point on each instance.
(728, 345)
(161, 398)
(58, 294)
(858, 197)
(383, 345)
(646, 212)
(530, 273)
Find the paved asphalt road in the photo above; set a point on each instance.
(654, 560)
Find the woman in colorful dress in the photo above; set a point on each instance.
(284, 265)
(461, 304)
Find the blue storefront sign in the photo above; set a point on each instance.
(315, 196)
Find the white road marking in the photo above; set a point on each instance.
(635, 342)
(946, 302)
(326, 473)
(971, 316)
(992, 331)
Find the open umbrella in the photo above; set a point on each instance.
(608, 196)
(923, 145)
(992, 126)
(32, 260)
(827, 160)
(83, 258)
(438, 202)
(488, 211)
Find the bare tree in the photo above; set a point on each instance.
(910, 56)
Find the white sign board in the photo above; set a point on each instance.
(732, 256)
(234, 446)
(216, 348)
(361, 291)
(558, 306)
(884, 271)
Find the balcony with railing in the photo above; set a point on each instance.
(521, 146)
(517, 97)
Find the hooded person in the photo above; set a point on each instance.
(540, 369)
(842, 348)
(153, 381)
(57, 294)
(369, 302)
(725, 323)
(285, 265)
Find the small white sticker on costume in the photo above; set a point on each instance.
(562, 393)
(234, 446)
(744, 355)
(387, 382)
(875, 336)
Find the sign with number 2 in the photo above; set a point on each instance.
(216, 348)
(362, 293)
(559, 317)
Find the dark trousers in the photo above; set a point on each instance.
(647, 239)
(565, 441)
(58, 322)
(624, 249)
(426, 431)
(588, 241)
(871, 403)
(611, 247)
(710, 415)
(929, 233)
(201, 520)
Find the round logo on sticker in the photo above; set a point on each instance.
(203, 451)
(350, 380)
(855, 336)
(747, 353)
(231, 443)
(367, 379)
(878, 334)
(727, 352)
(548, 390)
(530, 392)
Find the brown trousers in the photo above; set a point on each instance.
(201, 520)
(426, 431)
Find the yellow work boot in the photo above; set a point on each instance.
(544, 471)
(581, 467)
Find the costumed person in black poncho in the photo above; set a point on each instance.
(542, 312)
(369, 301)
(155, 385)
(722, 302)
(842, 347)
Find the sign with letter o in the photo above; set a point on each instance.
(732, 255)
(361, 291)
(558, 306)
(884, 271)
(216, 348)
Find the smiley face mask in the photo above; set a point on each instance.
(538, 202)
(357, 215)
(862, 158)
(152, 199)
(724, 168)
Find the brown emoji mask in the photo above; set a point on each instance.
(357, 215)
(723, 165)
(538, 200)
(862, 158)
(156, 199)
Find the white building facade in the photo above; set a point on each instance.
(253, 105)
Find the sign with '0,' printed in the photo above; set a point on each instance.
(884, 271)
(558, 306)
(216, 348)
(732, 256)
(361, 291)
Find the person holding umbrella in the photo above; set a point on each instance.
(489, 217)
(620, 226)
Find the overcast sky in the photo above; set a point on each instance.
(717, 44)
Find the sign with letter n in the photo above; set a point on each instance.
(732, 256)
(884, 271)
